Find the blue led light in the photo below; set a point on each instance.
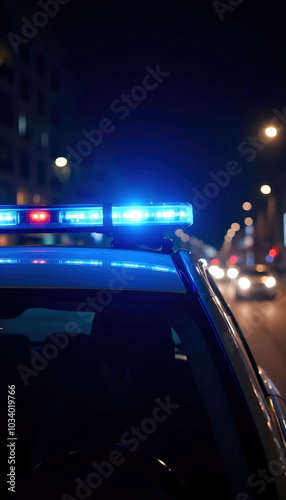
(83, 262)
(8, 218)
(90, 218)
(93, 216)
(40, 260)
(269, 259)
(134, 265)
(177, 213)
(8, 261)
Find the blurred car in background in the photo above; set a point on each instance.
(223, 273)
(255, 282)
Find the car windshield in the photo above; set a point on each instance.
(110, 368)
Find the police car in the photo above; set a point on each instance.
(125, 372)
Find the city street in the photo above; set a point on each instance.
(263, 324)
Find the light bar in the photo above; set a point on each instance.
(8, 218)
(107, 218)
(83, 217)
(25, 219)
(37, 216)
(153, 214)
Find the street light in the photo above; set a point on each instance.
(248, 221)
(61, 161)
(235, 226)
(227, 237)
(265, 189)
(270, 131)
(247, 206)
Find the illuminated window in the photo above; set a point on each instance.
(20, 197)
(36, 198)
(22, 125)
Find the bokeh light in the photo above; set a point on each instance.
(248, 221)
(235, 226)
(61, 162)
(265, 189)
(227, 237)
(271, 131)
(185, 237)
(247, 206)
(232, 273)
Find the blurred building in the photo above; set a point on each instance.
(37, 115)
(269, 230)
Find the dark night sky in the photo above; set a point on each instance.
(225, 79)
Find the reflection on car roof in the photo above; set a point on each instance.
(80, 267)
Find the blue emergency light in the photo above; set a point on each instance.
(104, 218)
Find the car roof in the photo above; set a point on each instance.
(82, 267)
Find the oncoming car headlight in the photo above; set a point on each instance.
(216, 272)
(244, 283)
(232, 273)
(270, 282)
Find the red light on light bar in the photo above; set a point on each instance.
(38, 216)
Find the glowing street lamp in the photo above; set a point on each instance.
(247, 206)
(235, 226)
(265, 189)
(248, 221)
(231, 232)
(270, 131)
(61, 161)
